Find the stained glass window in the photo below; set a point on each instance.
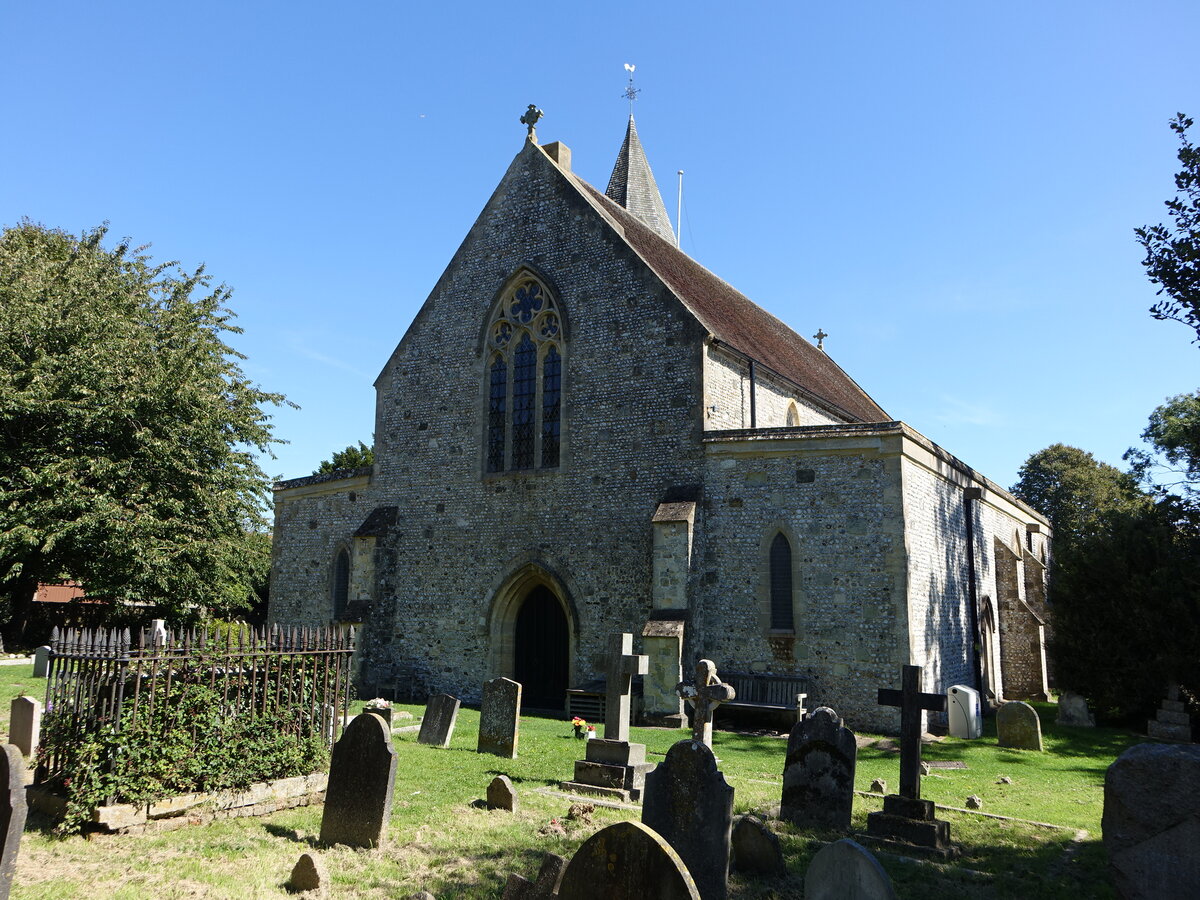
(524, 389)
(781, 584)
(551, 396)
(496, 418)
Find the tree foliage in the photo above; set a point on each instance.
(1074, 490)
(351, 458)
(1173, 434)
(127, 428)
(1173, 251)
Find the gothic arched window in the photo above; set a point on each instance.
(341, 583)
(781, 584)
(524, 380)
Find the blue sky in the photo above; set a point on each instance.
(947, 189)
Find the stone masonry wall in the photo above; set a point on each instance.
(727, 395)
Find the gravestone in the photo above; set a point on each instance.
(362, 775)
(549, 878)
(1018, 726)
(500, 718)
(25, 724)
(845, 870)
(627, 861)
(905, 817)
(1171, 722)
(1151, 821)
(614, 766)
(818, 776)
(1073, 711)
(309, 874)
(12, 814)
(755, 848)
(705, 694)
(690, 805)
(501, 794)
(41, 662)
(438, 725)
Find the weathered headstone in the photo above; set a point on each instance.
(501, 794)
(845, 870)
(690, 805)
(41, 662)
(905, 817)
(1171, 722)
(309, 874)
(362, 775)
(549, 878)
(627, 861)
(705, 694)
(614, 766)
(818, 777)
(755, 848)
(12, 814)
(1073, 711)
(25, 724)
(1151, 821)
(1018, 726)
(438, 725)
(500, 718)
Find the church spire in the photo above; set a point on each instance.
(632, 185)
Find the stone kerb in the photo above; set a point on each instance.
(1018, 726)
(1151, 821)
(818, 776)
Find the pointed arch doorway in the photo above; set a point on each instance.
(541, 645)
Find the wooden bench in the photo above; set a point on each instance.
(779, 693)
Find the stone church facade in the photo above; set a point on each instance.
(584, 431)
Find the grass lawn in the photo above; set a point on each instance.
(441, 842)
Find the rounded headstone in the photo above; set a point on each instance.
(627, 861)
(756, 848)
(845, 870)
(1018, 726)
(818, 775)
(309, 873)
(1073, 711)
(501, 794)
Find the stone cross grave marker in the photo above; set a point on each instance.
(818, 777)
(1018, 726)
(688, 802)
(627, 861)
(911, 701)
(500, 718)
(623, 664)
(25, 723)
(362, 776)
(441, 712)
(12, 814)
(705, 695)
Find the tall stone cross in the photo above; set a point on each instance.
(705, 695)
(911, 701)
(622, 666)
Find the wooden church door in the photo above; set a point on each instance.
(540, 651)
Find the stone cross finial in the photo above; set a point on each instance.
(623, 664)
(705, 695)
(820, 338)
(530, 120)
(911, 701)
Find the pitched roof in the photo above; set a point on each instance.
(632, 186)
(735, 320)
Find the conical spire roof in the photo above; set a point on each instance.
(632, 186)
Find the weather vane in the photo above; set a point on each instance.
(630, 91)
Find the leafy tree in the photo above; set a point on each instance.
(1074, 490)
(1173, 251)
(351, 458)
(127, 429)
(1174, 434)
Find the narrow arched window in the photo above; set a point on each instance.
(341, 583)
(781, 584)
(793, 414)
(523, 429)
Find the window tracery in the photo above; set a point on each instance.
(524, 380)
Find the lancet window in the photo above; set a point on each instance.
(781, 584)
(524, 380)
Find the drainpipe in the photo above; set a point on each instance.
(753, 414)
(970, 495)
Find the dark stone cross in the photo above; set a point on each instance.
(705, 695)
(911, 701)
(623, 664)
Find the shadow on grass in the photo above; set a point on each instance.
(291, 834)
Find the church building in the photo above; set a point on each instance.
(584, 431)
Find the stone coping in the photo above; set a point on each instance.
(192, 809)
